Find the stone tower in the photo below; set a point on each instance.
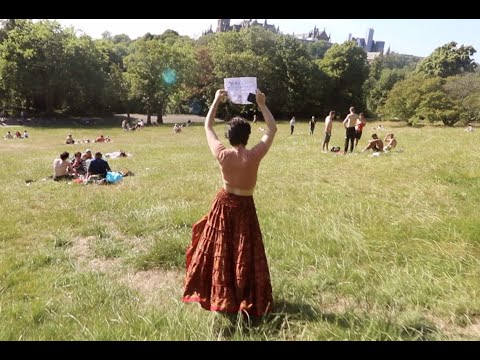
(223, 25)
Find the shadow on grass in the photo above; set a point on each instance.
(290, 315)
(229, 325)
(84, 122)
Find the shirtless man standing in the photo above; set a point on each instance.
(349, 124)
(328, 130)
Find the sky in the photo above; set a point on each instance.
(418, 37)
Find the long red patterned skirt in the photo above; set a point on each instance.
(227, 268)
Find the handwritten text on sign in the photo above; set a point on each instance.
(239, 88)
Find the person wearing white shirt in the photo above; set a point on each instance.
(292, 125)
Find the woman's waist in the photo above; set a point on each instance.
(238, 191)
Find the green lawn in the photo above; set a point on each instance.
(359, 247)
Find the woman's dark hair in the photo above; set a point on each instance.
(239, 131)
(64, 155)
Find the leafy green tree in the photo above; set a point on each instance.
(239, 54)
(298, 78)
(197, 93)
(155, 70)
(403, 101)
(346, 65)
(448, 60)
(206, 39)
(376, 67)
(44, 67)
(88, 86)
(317, 49)
(34, 64)
(436, 106)
(464, 90)
(118, 48)
(6, 25)
(116, 90)
(400, 61)
(168, 36)
(385, 71)
(377, 90)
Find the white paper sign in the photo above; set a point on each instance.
(239, 88)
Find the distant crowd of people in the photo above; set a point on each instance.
(126, 126)
(18, 135)
(70, 140)
(354, 125)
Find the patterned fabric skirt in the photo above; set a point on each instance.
(227, 268)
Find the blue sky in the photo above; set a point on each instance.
(406, 36)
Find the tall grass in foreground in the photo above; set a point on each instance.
(359, 247)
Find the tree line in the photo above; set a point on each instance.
(47, 69)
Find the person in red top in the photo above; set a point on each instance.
(226, 265)
(361, 122)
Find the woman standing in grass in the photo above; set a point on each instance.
(361, 122)
(227, 268)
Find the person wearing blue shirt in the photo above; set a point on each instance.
(98, 166)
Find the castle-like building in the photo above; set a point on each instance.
(314, 35)
(223, 25)
(371, 47)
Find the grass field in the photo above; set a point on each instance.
(359, 247)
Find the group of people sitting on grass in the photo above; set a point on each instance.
(376, 144)
(126, 126)
(70, 141)
(17, 135)
(83, 167)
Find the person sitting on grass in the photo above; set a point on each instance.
(69, 140)
(176, 129)
(376, 144)
(9, 135)
(390, 142)
(98, 167)
(62, 169)
(101, 138)
(78, 164)
(87, 157)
